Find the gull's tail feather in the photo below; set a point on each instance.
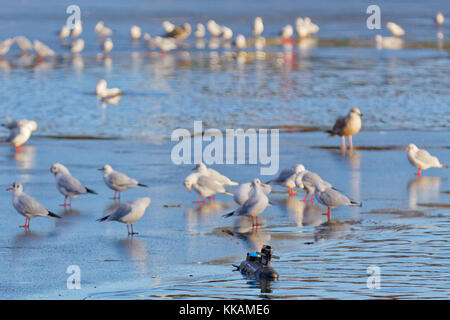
(90, 191)
(233, 183)
(103, 219)
(443, 165)
(228, 214)
(355, 203)
(331, 133)
(228, 193)
(142, 185)
(51, 214)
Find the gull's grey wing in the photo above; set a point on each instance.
(70, 184)
(333, 198)
(120, 212)
(210, 183)
(120, 179)
(339, 125)
(425, 157)
(27, 204)
(284, 175)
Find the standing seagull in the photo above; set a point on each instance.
(258, 27)
(421, 159)
(69, 186)
(129, 213)
(118, 181)
(286, 178)
(205, 185)
(20, 132)
(347, 126)
(254, 206)
(28, 206)
(311, 181)
(439, 19)
(395, 29)
(333, 198)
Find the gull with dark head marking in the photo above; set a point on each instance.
(422, 159)
(129, 213)
(255, 204)
(68, 185)
(28, 206)
(347, 126)
(118, 181)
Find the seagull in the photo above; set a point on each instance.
(258, 27)
(214, 29)
(286, 33)
(77, 45)
(439, 19)
(28, 206)
(129, 213)
(107, 45)
(287, 178)
(392, 43)
(305, 27)
(205, 185)
(220, 178)
(118, 181)
(245, 190)
(69, 186)
(240, 42)
(64, 33)
(135, 32)
(179, 32)
(311, 181)
(104, 92)
(332, 198)
(165, 44)
(101, 30)
(227, 33)
(24, 44)
(168, 26)
(5, 46)
(77, 29)
(42, 50)
(395, 29)
(20, 132)
(255, 204)
(347, 126)
(200, 31)
(422, 159)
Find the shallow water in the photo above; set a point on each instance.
(187, 251)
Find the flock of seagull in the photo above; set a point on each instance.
(251, 196)
(174, 34)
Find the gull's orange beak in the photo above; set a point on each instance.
(189, 189)
(406, 149)
(10, 188)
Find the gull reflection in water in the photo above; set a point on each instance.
(331, 229)
(203, 213)
(423, 189)
(253, 238)
(304, 214)
(135, 250)
(26, 158)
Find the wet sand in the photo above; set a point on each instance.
(186, 251)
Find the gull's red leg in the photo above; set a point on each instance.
(419, 173)
(65, 199)
(307, 194)
(327, 214)
(199, 198)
